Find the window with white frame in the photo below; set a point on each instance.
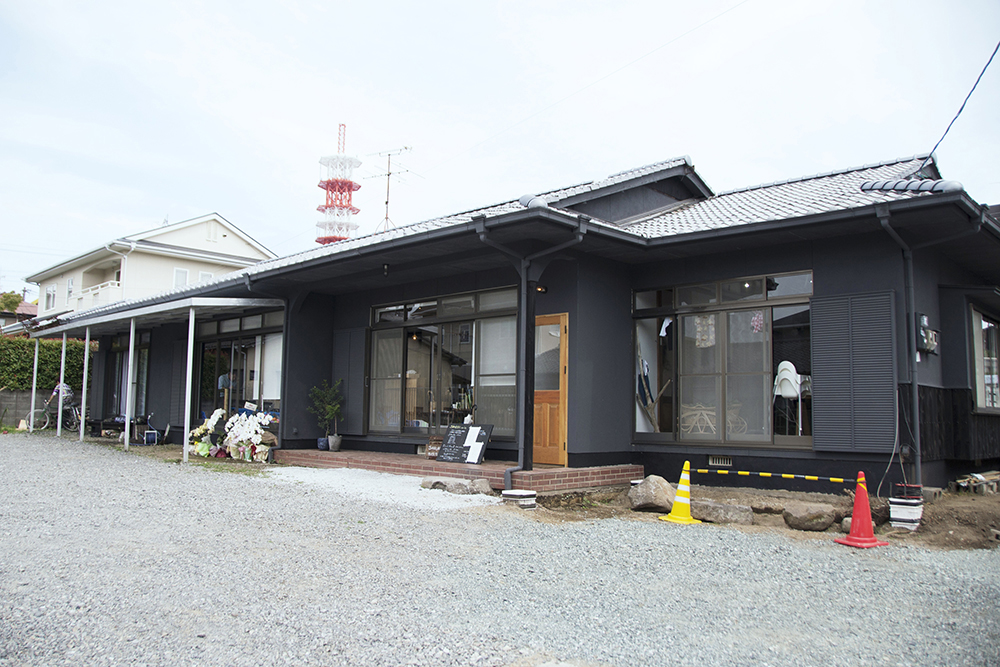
(50, 297)
(69, 290)
(986, 342)
(180, 277)
(204, 275)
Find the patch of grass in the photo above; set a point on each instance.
(230, 466)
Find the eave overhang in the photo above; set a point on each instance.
(154, 315)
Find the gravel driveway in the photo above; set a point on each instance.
(109, 558)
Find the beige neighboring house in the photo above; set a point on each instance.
(140, 265)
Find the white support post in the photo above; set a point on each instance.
(189, 380)
(34, 387)
(83, 392)
(62, 380)
(128, 383)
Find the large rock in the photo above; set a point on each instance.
(653, 494)
(767, 505)
(461, 487)
(880, 510)
(716, 512)
(809, 516)
(482, 487)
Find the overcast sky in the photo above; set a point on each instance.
(117, 115)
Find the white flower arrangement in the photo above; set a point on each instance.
(207, 428)
(202, 433)
(244, 433)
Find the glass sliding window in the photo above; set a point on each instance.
(796, 284)
(421, 361)
(697, 295)
(270, 372)
(434, 364)
(991, 351)
(117, 381)
(498, 300)
(721, 344)
(662, 298)
(422, 311)
(496, 392)
(748, 376)
(464, 304)
(387, 365)
(654, 340)
(791, 344)
(700, 377)
(745, 289)
(456, 378)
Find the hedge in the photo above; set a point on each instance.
(17, 358)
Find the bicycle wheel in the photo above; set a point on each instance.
(70, 422)
(41, 419)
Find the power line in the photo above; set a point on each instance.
(962, 108)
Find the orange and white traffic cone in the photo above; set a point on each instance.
(681, 511)
(862, 535)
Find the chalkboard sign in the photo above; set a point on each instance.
(465, 443)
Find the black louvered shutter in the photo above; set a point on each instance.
(853, 373)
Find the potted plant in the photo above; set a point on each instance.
(326, 402)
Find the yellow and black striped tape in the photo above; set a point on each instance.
(781, 475)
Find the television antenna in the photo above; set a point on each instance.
(387, 222)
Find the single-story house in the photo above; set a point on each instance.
(642, 318)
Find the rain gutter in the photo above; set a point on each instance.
(882, 211)
(530, 268)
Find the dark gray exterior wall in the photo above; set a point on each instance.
(99, 379)
(308, 359)
(165, 379)
(600, 365)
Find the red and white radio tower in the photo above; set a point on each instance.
(338, 210)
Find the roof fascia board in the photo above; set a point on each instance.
(570, 221)
(71, 263)
(102, 253)
(169, 306)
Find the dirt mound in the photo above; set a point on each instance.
(954, 521)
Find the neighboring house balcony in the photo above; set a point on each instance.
(98, 295)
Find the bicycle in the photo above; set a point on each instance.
(47, 414)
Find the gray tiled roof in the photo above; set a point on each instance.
(556, 196)
(811, 195)
(793, 198)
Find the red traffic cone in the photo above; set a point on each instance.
(861, 535)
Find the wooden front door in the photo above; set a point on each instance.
(551, 368)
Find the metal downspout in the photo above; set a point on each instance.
(124, 256)
(882, 211)
(526, 338)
